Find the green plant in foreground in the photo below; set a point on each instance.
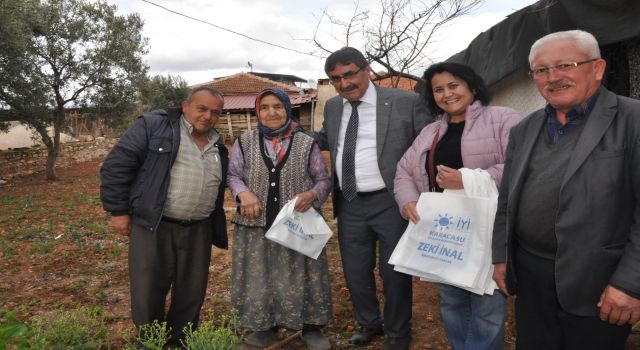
(81, 328)
(12, 332)
(208, 337)
(152, 336)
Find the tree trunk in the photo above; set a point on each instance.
(52, 156)
(53, 148)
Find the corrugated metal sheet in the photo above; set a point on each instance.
(246, 101)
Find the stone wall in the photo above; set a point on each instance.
(26, 161)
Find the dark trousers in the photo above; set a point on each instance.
(363, 224)
(541, 322)
(173, 258)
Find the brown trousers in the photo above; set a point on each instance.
(175, 258)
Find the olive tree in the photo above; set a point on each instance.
(58, 54)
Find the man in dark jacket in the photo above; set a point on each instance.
(163, 184)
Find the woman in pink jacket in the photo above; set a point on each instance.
(469, 134)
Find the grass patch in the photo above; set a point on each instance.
(81, 328)
(88, 199)
(41, 247)
(7, 249)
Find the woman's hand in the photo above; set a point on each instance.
(304, 201)
(249, 204)
(449, 178)
(410, 212)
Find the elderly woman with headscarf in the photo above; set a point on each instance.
(273, 286)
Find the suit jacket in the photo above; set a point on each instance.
(598, 219)
(400, 115)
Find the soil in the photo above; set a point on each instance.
(57, 252)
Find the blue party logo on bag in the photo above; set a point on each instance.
(443, 222)
(295, 227)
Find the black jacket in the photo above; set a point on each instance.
(134, 178)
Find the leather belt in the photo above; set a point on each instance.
(365, 194)
(181, 222)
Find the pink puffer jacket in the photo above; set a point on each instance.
(483, 144)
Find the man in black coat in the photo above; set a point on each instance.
(163, 184)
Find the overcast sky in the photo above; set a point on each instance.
(199, 52)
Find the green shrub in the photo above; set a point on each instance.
(81, 328)
(152, 336)
(12, 332)
(210, 337)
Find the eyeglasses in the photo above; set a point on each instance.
(541, 72)
(346, 76)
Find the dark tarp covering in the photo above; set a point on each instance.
(504, 48)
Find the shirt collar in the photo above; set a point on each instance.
(578, 112)
(368, 97)
(184, 124)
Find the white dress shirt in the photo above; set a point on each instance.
(368, 176)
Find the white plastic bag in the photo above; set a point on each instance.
(306, 233)
(451, 243)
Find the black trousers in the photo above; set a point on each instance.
(364, 224)
(173, 258)
(541, 322)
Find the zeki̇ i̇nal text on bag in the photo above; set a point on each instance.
(306, 233)
(451, 243)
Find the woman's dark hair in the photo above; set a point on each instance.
(345, 56)
(461, 71)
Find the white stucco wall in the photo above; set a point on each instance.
(517, 91)
(325, 92)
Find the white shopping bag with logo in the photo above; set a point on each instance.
(450, 242)
(306, 233)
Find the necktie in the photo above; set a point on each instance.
(349, 189)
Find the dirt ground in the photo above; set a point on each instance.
(57, 252)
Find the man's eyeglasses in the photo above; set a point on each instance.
(346, 76)
(541, 72)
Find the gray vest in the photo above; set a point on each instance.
(274, 185)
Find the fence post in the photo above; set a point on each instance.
(229, 126)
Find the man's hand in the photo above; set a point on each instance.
(305, 201)
(410, 212)
(121, 224)
(617, 307)
(500, 276)
(249, 204)
(449, 178)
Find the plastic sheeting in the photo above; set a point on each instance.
(504, 48)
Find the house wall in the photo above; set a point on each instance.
(517, 91)
(325, 92)
(232, 125)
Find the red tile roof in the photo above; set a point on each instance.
(246, 83)
(404, 83)
(247, 101)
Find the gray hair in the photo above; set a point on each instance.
(213, 91)
(585, 41)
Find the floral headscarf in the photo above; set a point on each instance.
(287, 130)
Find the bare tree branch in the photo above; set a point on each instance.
(399, 36)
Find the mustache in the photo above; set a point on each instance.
(559, 84)
(348, 88)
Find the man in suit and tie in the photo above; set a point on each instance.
(367, 129)
(567, 231)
